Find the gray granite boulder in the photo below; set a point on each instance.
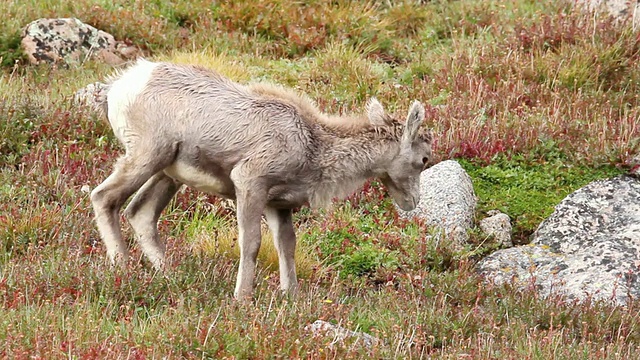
(70, 41)
(589, 248)
(447, 200)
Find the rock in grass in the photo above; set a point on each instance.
(70, 41)
(340, 334)
(620, 10)
(589, 248)
(91, 96)
(447, 200)
(499, 226)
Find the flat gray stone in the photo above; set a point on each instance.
(340, 334)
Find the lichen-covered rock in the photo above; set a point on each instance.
(447, 200)
(498, 225)
(588, 248)
(71, 41)
(519, 263)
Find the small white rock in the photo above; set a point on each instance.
(321, 327)
(498, 225)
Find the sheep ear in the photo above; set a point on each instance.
(415, 118)
(375, 112)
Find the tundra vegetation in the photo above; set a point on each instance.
(534, 98)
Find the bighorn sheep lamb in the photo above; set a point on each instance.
(267, 147)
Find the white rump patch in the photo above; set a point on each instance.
(124, 91)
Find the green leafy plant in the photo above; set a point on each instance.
(11, 53)
(528, 187)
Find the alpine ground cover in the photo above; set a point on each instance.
(534, 98)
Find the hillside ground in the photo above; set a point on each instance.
(534, 98)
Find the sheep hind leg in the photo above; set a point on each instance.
(131, 172)
(284, 238)
(144, 211)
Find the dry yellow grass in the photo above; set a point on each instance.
(221, 241)
(207, 58)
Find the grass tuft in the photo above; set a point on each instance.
(216, 237)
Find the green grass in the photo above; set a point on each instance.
(527, 187)
(533, 98)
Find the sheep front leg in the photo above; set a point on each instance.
(284, 238)
(250, 202)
